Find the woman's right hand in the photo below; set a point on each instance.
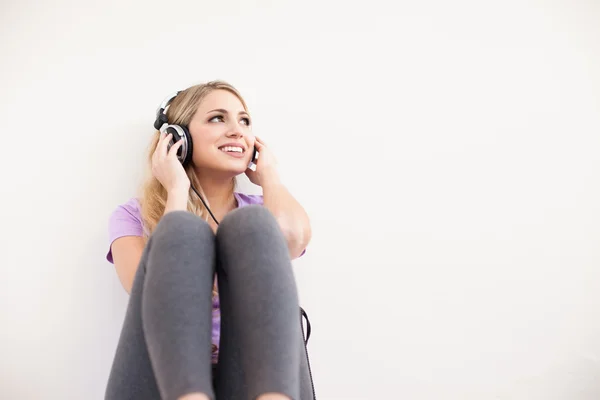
(167, 168)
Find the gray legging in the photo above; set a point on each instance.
(164, 350)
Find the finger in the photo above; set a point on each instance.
(163, 145)
(174, 148)
(259, 145)
(161, 135)
(157, 147)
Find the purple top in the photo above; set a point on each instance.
(126, 220)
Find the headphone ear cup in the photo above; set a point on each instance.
(179, 132)
(187, 157)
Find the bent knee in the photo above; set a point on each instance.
(250, 233)
(248, 220)
(180, 227)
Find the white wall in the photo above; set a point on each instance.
(447, 152)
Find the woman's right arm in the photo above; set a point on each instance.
(127, 250)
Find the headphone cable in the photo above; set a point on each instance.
(202, 200)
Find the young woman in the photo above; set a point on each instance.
(213, 309)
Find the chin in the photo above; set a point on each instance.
(241, 169)
(232, 169)
(218, 164)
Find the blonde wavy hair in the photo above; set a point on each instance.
(153, 197)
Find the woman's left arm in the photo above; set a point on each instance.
(291, 216)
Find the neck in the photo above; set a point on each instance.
(217, 190)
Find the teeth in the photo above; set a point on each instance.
(232, 149)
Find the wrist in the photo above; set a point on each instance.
(270, 178)
(176, 200)
(178, 191)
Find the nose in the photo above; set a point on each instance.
(235, 131)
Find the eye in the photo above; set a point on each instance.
(247, 121)
(220, 117)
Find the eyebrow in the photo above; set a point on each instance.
(221, 110)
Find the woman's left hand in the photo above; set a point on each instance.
(266, 165)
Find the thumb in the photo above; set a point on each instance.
(173, 150)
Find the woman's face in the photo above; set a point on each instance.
(221, 134)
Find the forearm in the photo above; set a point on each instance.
(291, 216)
(176, 200)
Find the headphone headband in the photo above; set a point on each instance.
(161, 112)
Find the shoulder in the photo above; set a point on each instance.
(126, 212)
(124, 220)
(248, 199)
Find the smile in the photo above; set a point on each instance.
(233, 151)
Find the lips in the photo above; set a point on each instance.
(233, 150)
(233, 146)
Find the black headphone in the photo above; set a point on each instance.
(179, 132)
